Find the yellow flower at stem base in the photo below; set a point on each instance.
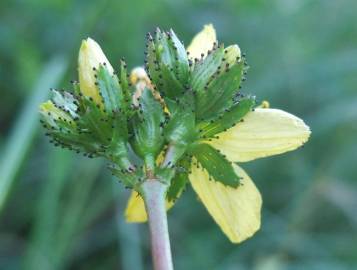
(264, 132)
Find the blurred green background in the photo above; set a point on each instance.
(61, 211)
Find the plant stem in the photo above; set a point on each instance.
(154, 196)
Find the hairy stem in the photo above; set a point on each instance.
(154, 197)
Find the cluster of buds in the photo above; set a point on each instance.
(150, 123)
(180, 120)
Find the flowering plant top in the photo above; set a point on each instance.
(182, 119)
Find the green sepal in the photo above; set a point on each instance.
(181, 64)
(130, 178)
(205, 69)
(180, 130)
(177, 186)
(175, 151)
(78, 123)
(118, 149)
(171, 104)
(118, 153)
(64, 130)
(119, 126)
(126, 88)
(147, 127)
(181, 127)
(180, 180)
(109, 90)
(65, 101)
(217, 166)
(227, 119)
(167, 64)
(94, 120)
(219, 92)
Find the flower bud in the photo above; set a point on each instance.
(232, 54)
(89, 59)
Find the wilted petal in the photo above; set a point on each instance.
(235, 210)
(139, 74)
(202, 42)
(90, 56)
(264, 132)
(141, 81)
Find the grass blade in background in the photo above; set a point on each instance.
(40, 251)
(129, 236)
(58, 224)
(70, 213)
(20, 137)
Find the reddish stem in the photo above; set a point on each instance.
(154, 197)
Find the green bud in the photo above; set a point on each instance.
(167, 63)
(149, 124)
(147, 127)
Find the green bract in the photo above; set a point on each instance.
(152, 125)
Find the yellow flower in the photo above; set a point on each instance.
(264, 132)
(90, 57)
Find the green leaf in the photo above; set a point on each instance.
(147, 126)
(218, 167)
(167, 64)
(219, 92)
(228, 119)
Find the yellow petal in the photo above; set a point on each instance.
(235, 210)
(202, 42)
(264, 132)
(90, 56)
(135, 210)
(232, 53)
